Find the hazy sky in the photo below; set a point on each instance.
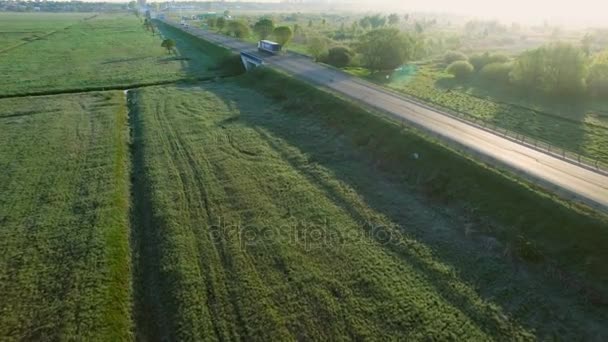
(574, 11)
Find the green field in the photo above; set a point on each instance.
(256, 207)
(577, 127)
(267, 216)
(64, 213)
(22, 28)
(106, 51)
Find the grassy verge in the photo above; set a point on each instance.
(454, 180)
(64, 268)
(281, 212)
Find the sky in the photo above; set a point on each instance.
(564, 11)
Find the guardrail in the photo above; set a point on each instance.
(536, 144)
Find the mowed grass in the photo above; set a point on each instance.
(277, 214)
(64, 214)
(580, 127)
(19, 28)
(109, 50)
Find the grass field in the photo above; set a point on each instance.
(105, 51)
(578, 127)
(275, 214)
(64, 211)
(21, 28)
(259, 208)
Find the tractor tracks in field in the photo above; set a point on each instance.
(44, 36)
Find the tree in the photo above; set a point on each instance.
(496, 72)
(586, 43)
(226, 14)
(282, 34)
(263, 28)
(149, 25)
(238, 29)
(365, 23)
(310, 23)
(211, 22)
(558, 69)
(597, 82)
(168, 44)
(339, 56)
(565, 70)
(527, 72)
(460, 69)
(384, 49)
(453, 56)
(393, 19)
(317, 46)
(377, 21)
(220, 23)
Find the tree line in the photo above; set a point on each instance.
(557, 69)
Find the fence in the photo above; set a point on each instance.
(536, 144)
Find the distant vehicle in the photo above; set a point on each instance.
(268, 46)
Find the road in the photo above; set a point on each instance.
(564, 178)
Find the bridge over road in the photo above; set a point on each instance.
(554, 173)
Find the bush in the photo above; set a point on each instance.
(384, 49)
(496, 72)
(339, 56)
(238, 29)
(460, 69)
(282, 35)
(557, 69)
(479, 61)
(453, 56)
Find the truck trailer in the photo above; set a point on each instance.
(268, 46)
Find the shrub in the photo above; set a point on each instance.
(558, 69)
(282, 35)
(453, 56)
(481, 60)
(460, 69)
(496, 72)
(339, 56)
(238, 29)
(384, 49)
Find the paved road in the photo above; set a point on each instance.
(564, 178)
